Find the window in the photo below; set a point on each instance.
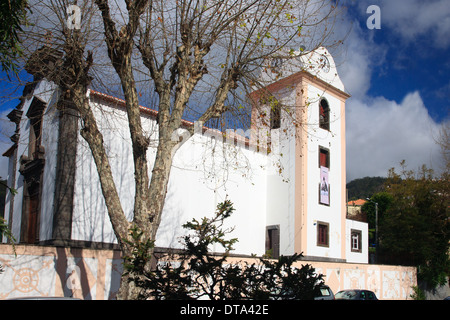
(324, 157)
(35, 114)
(31, 168)
(322, 234)
(356, 240)
(275, 116)
(324, 114)
(273, 241)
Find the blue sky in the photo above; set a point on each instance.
(412, 62)
(399, 80)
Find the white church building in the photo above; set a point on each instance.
(287, 182)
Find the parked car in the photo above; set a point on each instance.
(353, 294)
(325, 293)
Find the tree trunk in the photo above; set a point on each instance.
(129, 290)
(94, 138)
(160, 179)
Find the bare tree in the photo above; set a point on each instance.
(201, 57)
(185, 45)
(444, 142)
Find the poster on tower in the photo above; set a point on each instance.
(324, 194)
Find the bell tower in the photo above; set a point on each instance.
(301, 111)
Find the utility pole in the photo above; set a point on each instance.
(376, 229)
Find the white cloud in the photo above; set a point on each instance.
(355, 66)
(412, 18)
(381, 133)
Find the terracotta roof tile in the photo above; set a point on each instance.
(358, 202)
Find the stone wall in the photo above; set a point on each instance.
(59, 271)
(95, 274)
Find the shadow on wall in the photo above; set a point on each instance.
(62, 272)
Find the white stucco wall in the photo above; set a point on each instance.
(50, 136)
(45, 91)
(280, 194)
(9, 199)
(330, 140)
(204, 173)
(90, 219)
(357, 257)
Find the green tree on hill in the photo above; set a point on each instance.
(415, 228)
(365, 187)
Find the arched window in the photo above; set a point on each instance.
(324, 114)
(275, 117)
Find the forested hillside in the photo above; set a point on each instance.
(364, 187)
